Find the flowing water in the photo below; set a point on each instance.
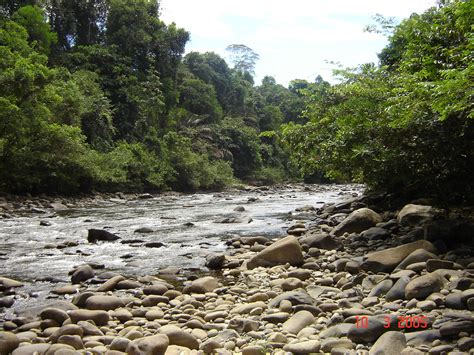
(185, 224)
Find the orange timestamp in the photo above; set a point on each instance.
(404, 322)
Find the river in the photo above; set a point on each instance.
(185, 224)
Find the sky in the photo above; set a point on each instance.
(296, 39)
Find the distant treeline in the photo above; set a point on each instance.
(98, 95)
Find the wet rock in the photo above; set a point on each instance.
(150, 345)
(215, 261)
(110, 284)
(104, 303)
(6, 283)
(286, 250)
(6, 302)
(143, 230)
(8, 342)
(390, 343)
(423, 286)
(303, 347)
(298, 321)
(321, 241)
(358, 221)
(386, 260)
(154, 245)
(82, 273)
(95, 235)
(233, 220)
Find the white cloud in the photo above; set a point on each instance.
(293, 38)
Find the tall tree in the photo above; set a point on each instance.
(244, 58)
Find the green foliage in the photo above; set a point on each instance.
(32, 18)
(405, 127)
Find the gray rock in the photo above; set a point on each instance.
(320, 241)
(303, 347)
(8, 342)
(416, 256)
(328, 344)
(31, 349)
(375, 328)
(375, 233)
(453, 328)
(295, 297)
(397, 292)
(56, 314)
(95, 235)
(423, 286)
(6, 283)
(298, 321)
(358, 221)
(381, 288)
(110, 284)
(422, 337)
(105, 303)
(386, 260)
(202, 285)
(454, 301)
(215, 261)
(286, 250)
(82, 273)
(415, 214)
(144, 230)
(465, 343)
(150, 345)
(435, 264)
(389, 343)
(177, 336)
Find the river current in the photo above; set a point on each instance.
(185, 224)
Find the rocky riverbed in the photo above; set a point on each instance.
(346, 279)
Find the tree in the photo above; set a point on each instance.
(244, 58)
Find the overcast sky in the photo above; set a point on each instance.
(294, 38)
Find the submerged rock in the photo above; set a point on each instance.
(95, 235)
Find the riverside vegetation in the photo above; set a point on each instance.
(99, 96)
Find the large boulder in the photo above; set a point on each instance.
(95, 235)
(286, 250)
(151, 345)
(386, 260)
(423, 286)
(412, 214)
(358, 221)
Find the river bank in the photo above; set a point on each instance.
(347, 279)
